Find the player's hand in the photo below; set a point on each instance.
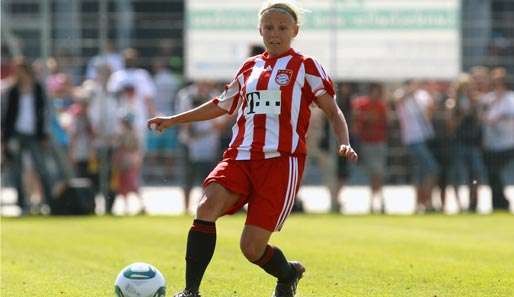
(160, 123)
(347, 152)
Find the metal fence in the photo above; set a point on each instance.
(76, 30)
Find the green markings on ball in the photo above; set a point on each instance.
(160, 293)
(137, 273)
(118, 292)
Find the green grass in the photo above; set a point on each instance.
(432, 255)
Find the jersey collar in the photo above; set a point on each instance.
(266, 56)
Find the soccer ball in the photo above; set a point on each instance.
(140, 280)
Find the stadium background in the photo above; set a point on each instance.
(76, 30)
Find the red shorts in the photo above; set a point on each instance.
(269, 187)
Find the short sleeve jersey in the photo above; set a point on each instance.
(272, 98)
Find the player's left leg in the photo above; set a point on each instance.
(255, 247)
(277, 181)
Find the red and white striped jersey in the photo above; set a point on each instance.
(272, 97)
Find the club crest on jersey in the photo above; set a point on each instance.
(283, 77)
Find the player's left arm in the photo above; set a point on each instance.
(336, 118)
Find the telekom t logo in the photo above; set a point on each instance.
(263, 102)
(250, 101)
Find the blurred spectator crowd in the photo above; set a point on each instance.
(56, 127)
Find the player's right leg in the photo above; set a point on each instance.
(201, 240)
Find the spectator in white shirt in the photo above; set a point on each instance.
(136, 91)
(105, 121)
(498, 127)
(414, 107)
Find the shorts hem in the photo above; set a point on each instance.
(263, 226)
(226, 185)
(242, 196)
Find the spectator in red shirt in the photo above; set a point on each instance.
(370, 126)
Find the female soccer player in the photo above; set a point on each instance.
(264, 162)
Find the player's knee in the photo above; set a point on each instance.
(207, 208)
(211, 205)
(251, 250)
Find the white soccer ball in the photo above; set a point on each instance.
(140, 280)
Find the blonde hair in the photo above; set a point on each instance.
(289, 7)
(463, 81)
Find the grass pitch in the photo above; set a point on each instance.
(432, 255)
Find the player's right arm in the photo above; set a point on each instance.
(227, 102)
(207, 111)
